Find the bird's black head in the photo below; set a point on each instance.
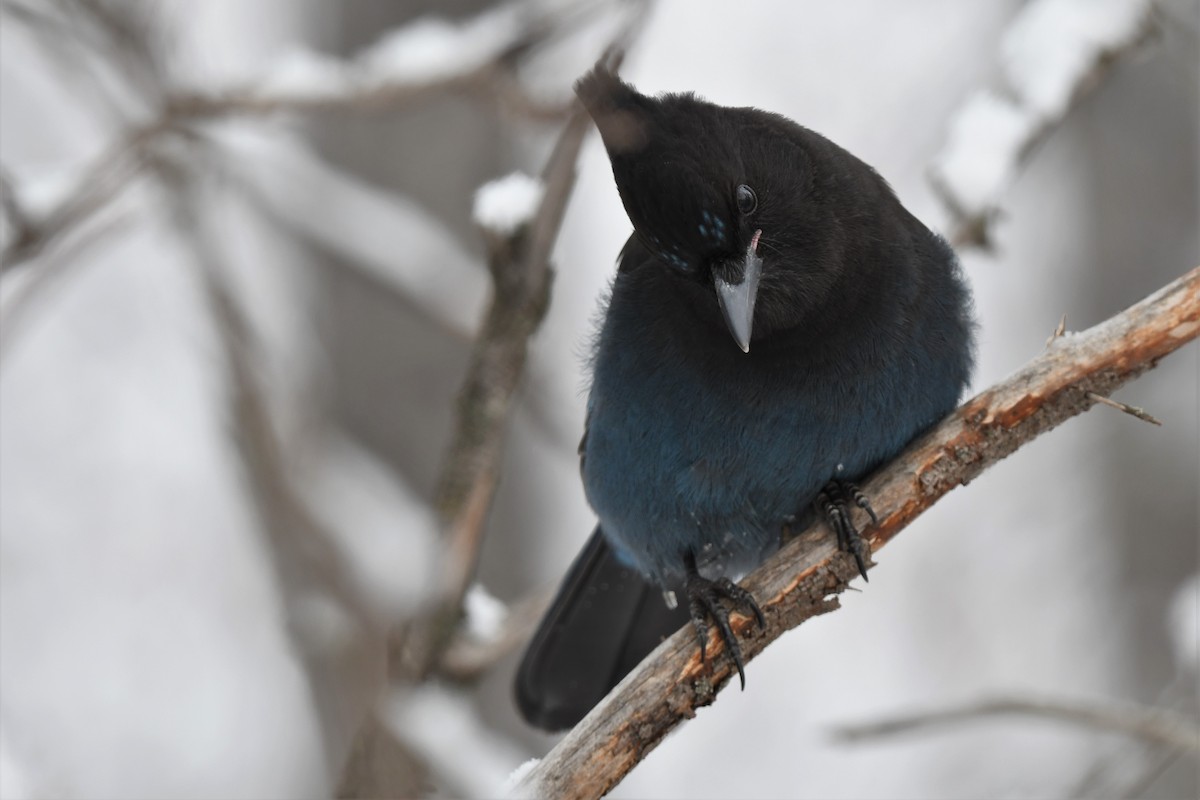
(740, 200)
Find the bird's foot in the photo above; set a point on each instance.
(707, 599)
(834, 503)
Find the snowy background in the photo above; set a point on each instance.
(162, 636)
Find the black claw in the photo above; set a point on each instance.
(741, 598)
(705, 602)
(721, 616)
(832, 502)
(861, 501)
(858, 559)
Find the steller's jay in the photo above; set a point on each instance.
(779, 326)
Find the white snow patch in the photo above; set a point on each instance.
(513, 784)
(980, 155)
(432, 49)
(485, 614)
(1052, 45)
(47, 188)
(505, 204)
(1047, 53)
(426, 50)
(304, 73)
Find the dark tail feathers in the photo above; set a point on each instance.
(605, 619)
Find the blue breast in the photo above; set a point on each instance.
(695, 446)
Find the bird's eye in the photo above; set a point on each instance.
(747, 201)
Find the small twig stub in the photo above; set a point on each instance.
(1132, 411)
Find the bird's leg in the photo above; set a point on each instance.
(706, 600)
(834, 503)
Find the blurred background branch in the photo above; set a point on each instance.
(1164, 734)
(1156, 726)
(470, 655)
(1052, 54)
(476, 57)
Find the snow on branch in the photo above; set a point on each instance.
(423, 58)
(423, 51)
(477, 57)
(1052, 53)
(469, 656)
(805, 577)
(506, 204)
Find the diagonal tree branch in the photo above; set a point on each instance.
(521, 277)
(804, 579)
(519, 262)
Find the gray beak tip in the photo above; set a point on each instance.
(737, 299)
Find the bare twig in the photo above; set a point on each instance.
(803, 579)
(1132, 411)
(96, 187)
(1158, 726)
(1059, 331)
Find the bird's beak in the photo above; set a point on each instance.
(737, 299)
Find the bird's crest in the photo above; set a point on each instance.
(617, 109)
